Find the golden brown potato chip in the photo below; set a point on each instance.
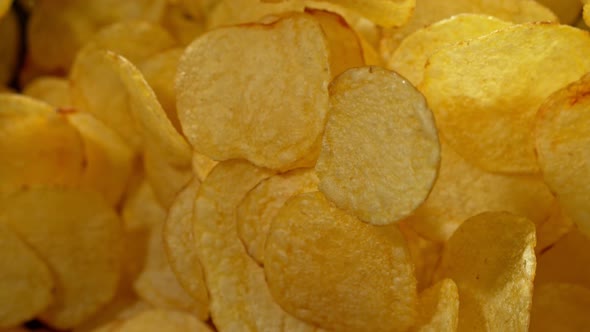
(26, 285)
(271, 109)
(586, 13)
(202, 165)
(180, 247)
(79, 236)
(549, 232)
(51, 89)
(560, 307)
(10, 34)
(568, 11)
(410, 57)
(561, 135)
(37, 145)
(425, 255)
(463, 190)
(237, 288)
(438, 308)
(491, 258)
(58, 29)
(260, 206)
(121, 307)
(316, 266)
(158, 320)
(430, 11)
(343, 43)
(485, 100)
(567, 260)
(380, 153)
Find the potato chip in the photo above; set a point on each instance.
(58, 29)
(560, 307)
(463, 190)
(488, 114)
(319, 270)
(549, 232)
(51, 89)
(180, 247)
(27, 283)
(10, 34)
(182, 23)
(260, 206)
(425, 254)
(567, 11)
(438, 308)
(158, 320)
(410, 57)
(237, 288)
(567, 261)
(380, 154)
(561, 135)
(491, 258)
(141, 209)
(271, 109)
(586, 12)
(233, 12)
(37, 145)
(430, 11)
(202, 165)
(343, 43)
(4, 7)
(121, 307)
(79, 237)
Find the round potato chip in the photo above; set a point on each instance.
(51, 89)
(491, 258)
(261, 205)
(412, 54)
(79, 236)
(271, 109)
(485, 99)
(10, 34)
(560, 307)
(325, 266)
(180, 247)
(463, 190)
(158, 320)
(26, 282)
(562, 135)
(438, 308)
(380, 154)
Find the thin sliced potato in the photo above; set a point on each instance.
(438, 309)
(158, 320)
(51, 89)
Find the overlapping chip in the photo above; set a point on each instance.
(438, 308)
(161, 320)
(51, 89)
(380, 153)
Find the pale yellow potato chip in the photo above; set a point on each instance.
(567, 11)
(485, 98)
(271, 109)
(58, 29)
(425, 255)
(561, 135)
(10, 34)
(343, 43)
(319, 270)
(79, 236)
(491, 258)
(430, 11)
(238, 291)
(158, 320)
(463, 190)
(180, 247)
(438, 308)
(412, 54)
(38, 146)
(549, 232)
(26, 282)
(232, 12)
(202, 165)
(560, 307)
(261, 205)
(51, 89)
(380, 152)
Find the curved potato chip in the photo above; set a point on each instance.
(560, 307)
(491, 258)
(51, 89)
(438, 308)
(380, 153)
(557, 226)
(202, 165)
(38, 146)
(430, 11)
(27, 283)
(238, 292)
(182, 23)
(463, 190)
(10, 34)
(273, 120)
(319, 270)
(568, 11)
(141, 209)
(180, 247)
(561, 135)
(158, 320)
(79, 236)
(412, 54)
(484, 104)
(261, 205)
(425, 255)
(233, 12)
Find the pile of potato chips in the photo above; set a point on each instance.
(294, 165)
